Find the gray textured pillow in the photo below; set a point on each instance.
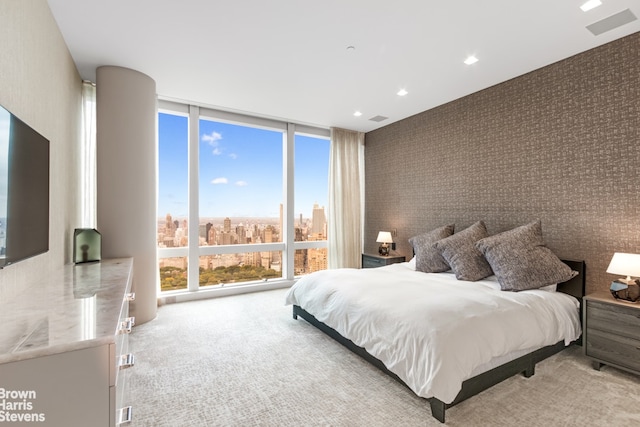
(428, 258)
(521, 261)
(461, 253)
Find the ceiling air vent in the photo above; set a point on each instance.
(614, 21)
(378, 118)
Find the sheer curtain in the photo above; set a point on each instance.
(88, 157)
(346, 198)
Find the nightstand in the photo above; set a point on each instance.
(371, 260)
(612, 332)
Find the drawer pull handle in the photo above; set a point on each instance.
(126, 325)
(126, 415)
(127, 361)
(131, 296)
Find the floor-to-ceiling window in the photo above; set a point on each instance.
(241, 200)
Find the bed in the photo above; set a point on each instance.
(446, 339)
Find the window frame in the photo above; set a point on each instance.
(287, 246)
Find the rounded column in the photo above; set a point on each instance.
(126, 111)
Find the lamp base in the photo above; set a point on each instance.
(383, 250)
(626, 292)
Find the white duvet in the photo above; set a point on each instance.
(430, 329)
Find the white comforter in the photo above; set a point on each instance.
(430, 329)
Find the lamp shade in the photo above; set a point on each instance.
(384, 237)
(625, 264)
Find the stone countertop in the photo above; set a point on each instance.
(74, 309)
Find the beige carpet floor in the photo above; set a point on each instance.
(243, 361)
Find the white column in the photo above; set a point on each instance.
(126, 114)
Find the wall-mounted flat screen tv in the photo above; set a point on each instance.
(24, 190)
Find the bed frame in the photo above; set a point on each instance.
(525, 364)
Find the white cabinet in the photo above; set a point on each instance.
(64, 354)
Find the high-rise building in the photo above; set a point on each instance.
(227, 225)
(318, 220)
(207, 229)
(268, 234)
(212, 236)
(169, 226)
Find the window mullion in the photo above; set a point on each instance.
(193, 280)
(288, 232)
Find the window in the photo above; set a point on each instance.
(234, 176)
(173, 138)
(311, 179)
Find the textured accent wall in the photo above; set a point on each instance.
(561, 144)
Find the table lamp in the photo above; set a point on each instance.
(385, 238)
(628, 265)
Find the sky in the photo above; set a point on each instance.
(240, 170)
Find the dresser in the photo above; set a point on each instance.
(64, 353)
(612, 332)
(372, 260)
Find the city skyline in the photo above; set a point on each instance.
(223, 268)
(314, 225)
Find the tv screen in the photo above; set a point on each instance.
(24, 190)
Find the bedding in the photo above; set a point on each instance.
(428, 258)
(430, 329)
(460, 252)
(520, 260)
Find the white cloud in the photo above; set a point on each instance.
(233, 156)
(212, 138)
(242, 183)
(221, 180)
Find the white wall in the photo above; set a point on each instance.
(40, 84)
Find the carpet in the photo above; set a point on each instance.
(243, 361)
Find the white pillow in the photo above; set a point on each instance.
(412, 263)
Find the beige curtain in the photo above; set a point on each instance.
(346, 198)
(88, 156)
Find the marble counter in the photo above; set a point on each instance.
(74, 309)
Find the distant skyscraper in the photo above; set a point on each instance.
(169, 227)
(318, 220)
(207, 233)
(227, 225)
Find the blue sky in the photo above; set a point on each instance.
(240, 170)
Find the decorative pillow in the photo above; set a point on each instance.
(428, 259)
(521, 261)
(461, 254)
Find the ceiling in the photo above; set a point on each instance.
(290, 59)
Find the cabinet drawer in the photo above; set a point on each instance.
(613, 348)
(368, 262)
(615, 319)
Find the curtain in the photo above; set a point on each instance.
(88, 217)
(346, 199)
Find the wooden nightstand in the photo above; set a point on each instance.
(612, 332)
(371, 260)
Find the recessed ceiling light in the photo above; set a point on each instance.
(357, 114)
(402, 92)
(590, 5)
(471, 60)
